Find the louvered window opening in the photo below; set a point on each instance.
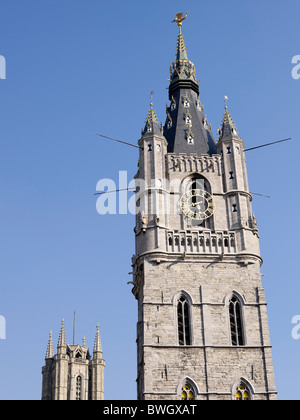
(236, 328)
(184, 336)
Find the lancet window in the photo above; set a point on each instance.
(78, 387)
(236, 324)
(183, 319)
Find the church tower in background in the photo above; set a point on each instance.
(72, 374)
(202, 330)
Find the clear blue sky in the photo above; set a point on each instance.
(78, 67)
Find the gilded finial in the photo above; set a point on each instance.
(225, 101)
(151, 114)
(179, 19)
(151, 97)
(228, 126)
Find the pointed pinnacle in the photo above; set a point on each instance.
(62, 335)
(50, 352)
(97, 344)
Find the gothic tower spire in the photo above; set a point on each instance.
(181, 51)
(186, 129)
(182, 69)
(50, 352)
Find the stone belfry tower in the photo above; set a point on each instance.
(72, 374)
(202, 330)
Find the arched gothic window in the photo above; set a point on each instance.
(236, 324)
(78, 355)
(242, 393)
(183, 319)
(78, 388)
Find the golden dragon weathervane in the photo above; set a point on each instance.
(180, 18)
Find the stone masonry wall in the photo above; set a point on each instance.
(211, 361)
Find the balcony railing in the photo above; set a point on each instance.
(201, 242)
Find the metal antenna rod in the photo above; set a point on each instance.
(123, 189)
(267, 144)
(138, 147)
(119, 141)
(133, 189)
(261, 195)
(74, 329)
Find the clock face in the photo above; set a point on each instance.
(197, 204)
